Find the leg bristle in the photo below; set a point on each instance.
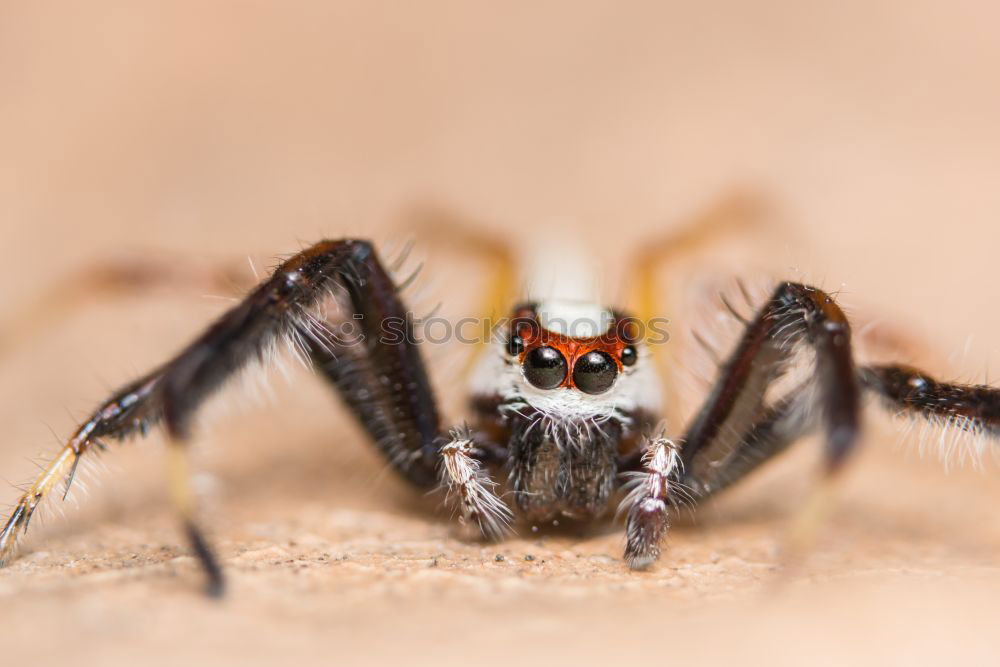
(648, 516)
(463, 477)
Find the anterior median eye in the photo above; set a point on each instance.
(545, 367)
(594, 372)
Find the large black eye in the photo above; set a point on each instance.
(629, 355)
(545, 367)
(594, 372)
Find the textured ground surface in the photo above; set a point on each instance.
(221, 130)
(326, 555)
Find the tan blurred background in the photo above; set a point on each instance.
(224, 130)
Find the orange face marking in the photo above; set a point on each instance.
(613, 342)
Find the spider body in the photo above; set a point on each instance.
(565, 401)
(565, 406)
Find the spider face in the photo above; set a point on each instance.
(569, 360)
(571, 345)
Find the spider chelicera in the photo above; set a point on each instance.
(568, 416)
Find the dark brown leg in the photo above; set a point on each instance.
(969, 413)
(735, 420)
(915, 392)
(777, 429)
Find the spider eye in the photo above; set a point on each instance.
(594, 372)
(515, 345)
(545, 367)
(629, 355)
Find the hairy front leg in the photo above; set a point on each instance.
(648, 502)
(470, 487)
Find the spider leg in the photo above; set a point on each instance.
(380, 375)
(778, 427)
(125, 413)
(393, 412)
(973, 409)
(647, 502)
(736, 420)
(465, 479)
(278, 308)
(184, 501)
(772, 433)
(795, 314)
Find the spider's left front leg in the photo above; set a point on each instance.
(653, 490)
(737, 425)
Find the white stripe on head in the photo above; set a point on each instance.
(577, 319)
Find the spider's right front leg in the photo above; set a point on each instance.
(465, 479)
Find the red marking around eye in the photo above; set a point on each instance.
(612, 343)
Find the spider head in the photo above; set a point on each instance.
(571, 345)
(569, 360)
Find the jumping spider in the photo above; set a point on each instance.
(569, 419)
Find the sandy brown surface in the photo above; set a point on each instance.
(223, 130)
